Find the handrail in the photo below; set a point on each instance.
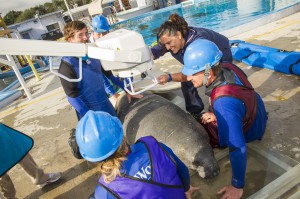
(64, 77)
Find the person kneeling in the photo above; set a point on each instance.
(238, 113)
(147, 169)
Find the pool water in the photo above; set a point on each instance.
(218, 15)
(149, 23)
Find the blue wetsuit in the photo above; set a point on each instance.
(138, 165)
(89, 93)
(193, 101)
(109, 89)
(230, 112)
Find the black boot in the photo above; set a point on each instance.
(73, 144)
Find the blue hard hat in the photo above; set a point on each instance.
(100, 24)
(98, 135)
(198, 54)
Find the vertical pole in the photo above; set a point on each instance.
(69, 10)
(121, 6)
(37, 76)
(19, 76)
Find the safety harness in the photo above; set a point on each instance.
(244, 92)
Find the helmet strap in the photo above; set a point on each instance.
(206, 73)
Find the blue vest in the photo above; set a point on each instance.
(91, 87)
(14, 145)
(164, 183)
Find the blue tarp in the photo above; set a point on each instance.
(8, 96)
(266, 57)
(15, 84)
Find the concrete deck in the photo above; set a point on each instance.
(49, 117)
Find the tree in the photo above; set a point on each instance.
(71, 3)
(48, 7)
(11, 16)
(59, 4)
(26, 14)
(40, 10)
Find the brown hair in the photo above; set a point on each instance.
(174, 24)
(110, 167)
(73, 27)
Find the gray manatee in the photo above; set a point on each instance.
(157, 116)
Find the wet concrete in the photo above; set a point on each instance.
(48, 119)
(280, 92)
(258, 176)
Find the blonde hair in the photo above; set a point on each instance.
(110, 167)
(72, 27)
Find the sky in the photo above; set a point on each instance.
(18, 5)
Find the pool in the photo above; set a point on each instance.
(218, 15)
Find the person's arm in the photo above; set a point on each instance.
(79, 105)
(229, 113)
(158, 51)
(176, 77)
(183, 171)
(71, 88)
(117, 81)
(109, 89)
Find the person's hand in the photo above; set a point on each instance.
(115, 96)
(208, 117)
(163, 79)
(113, 99)
(188, 194)
(130, 97)
(230, 192)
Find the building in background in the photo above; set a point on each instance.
(43, 27)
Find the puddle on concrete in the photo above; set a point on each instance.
(260, 172)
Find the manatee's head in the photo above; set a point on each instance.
(206, 164)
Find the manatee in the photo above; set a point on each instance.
(157, 116)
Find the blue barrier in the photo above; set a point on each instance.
(266, 57)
